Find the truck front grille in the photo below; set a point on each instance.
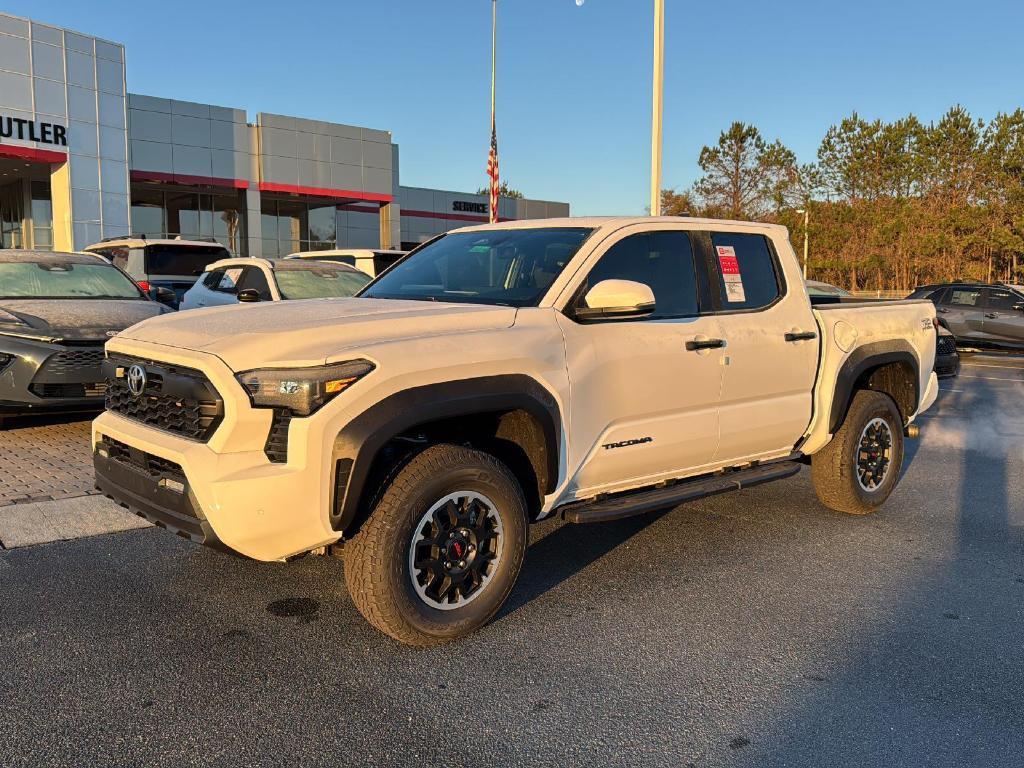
(178, 400)
(276, 447)
(946, 345)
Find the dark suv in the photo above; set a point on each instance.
(977, 313)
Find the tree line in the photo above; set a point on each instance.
(891, 205)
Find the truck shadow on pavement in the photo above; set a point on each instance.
(935, 678)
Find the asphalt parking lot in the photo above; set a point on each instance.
(755, 628)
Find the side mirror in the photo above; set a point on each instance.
(164, 296)
(617, 300)
(248, 295)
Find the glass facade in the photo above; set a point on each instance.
(42, 216)
(289, 226)
(11, 215)
(192, 214)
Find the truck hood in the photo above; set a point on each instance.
(311, 332)
(73, 319)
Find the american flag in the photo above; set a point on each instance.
(492, 171)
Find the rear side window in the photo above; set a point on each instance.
(182, 261)
(965, 297)
(747, 278)
(662, 261)
(228, 282)
(382, 261)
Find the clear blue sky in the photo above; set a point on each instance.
(574, 82)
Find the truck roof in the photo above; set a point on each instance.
(617, 222)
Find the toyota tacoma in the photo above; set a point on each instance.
(589, 368)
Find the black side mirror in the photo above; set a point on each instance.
(248, 296)
(164, 296)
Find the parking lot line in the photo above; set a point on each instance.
(992, 378)
(1011, 367)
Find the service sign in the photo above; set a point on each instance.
(467, 206)
(23, 129)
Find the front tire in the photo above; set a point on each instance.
(441, 549)
(859, 468)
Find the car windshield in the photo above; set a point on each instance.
(182, 261)
(510, 267)
(64, 280)
(318, 281)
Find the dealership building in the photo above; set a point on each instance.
(81, 159)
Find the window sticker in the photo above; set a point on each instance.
(730, 267)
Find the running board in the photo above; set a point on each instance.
(639, 502)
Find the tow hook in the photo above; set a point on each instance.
(912, 431)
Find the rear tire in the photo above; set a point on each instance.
(858, 469)
(441, 549)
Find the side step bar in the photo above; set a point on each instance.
(638, 502)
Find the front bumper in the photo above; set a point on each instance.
(947, 365)
(157, 493)
(50, 377)
(260, 509)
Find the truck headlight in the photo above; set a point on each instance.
(301, 390)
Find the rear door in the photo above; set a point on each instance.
(771, 352)
(643, 405)
(1004, 316)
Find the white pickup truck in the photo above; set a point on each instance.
(591, 368)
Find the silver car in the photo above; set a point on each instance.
(56, 312)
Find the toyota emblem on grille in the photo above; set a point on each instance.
(136, 380)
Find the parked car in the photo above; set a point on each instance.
(978, 314)
(816, 288)
(165, 269)
(244, 280)
(56, 312)
(369, 260)
(947, 358)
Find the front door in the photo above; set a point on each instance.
(960, 309)
(643, 406)
(771, 352)
(1004, 316)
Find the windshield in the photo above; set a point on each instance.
(190, 260)
(319, 281)
(64, 280)
(511, 267)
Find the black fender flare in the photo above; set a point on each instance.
(359, 441)
(863, 359)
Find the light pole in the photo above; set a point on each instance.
(656, 109)
(807, 213)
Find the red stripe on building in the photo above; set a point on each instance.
(296, 189)
(182, 178)
(449, 216)
(32, 154)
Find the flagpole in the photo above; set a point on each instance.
(494, 68)
(656, 109)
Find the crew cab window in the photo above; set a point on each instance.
(253, 278)
(998, 298)
(965, 297)
(383, 261)
(663, 261)
(747, 278)
(228, 282)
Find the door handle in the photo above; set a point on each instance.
(696, 346)
(801, 336)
